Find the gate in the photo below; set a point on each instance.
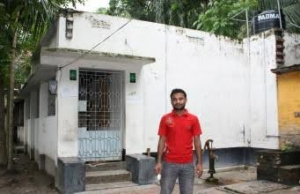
(100, 115)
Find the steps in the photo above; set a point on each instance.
(290, 174)
(107, 175)
(103, 186)
(279, 166)
(104, 166)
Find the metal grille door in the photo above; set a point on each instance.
(100, 115)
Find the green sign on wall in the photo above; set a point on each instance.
(132, 78)
(73, 74)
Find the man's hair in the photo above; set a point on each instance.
(177, 90)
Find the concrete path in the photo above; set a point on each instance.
(241, 181)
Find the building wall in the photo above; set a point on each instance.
(67, 110)
(47, 137)
(291, 49)
(229, 84)
(40, 130)
(26, 123)
(33, 124)
(289, 106)
(21, 134)
(262, 91)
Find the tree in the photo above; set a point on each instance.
(176, 12)
(185, 12)
(227, 17)
(101, 10)
(140, 9)
(23, 21)
(220, 17)
(3, 158)
(3, 81)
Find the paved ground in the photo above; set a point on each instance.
(29, 180)
(241, 181)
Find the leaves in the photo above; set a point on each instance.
(139, 9)
(175, 12)
(30, 19)
(292, 17)
(273, 4)
(217, 18)
(221, 17)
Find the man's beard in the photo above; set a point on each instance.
(182, 107)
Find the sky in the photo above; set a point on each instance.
(92, 5)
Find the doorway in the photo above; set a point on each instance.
(100, 115)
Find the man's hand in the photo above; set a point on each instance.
(158, 168)
(199, 170)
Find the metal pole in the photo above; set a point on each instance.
(280, 21)
(248, 34)
(247, 23)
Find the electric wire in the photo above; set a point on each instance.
(101, 42)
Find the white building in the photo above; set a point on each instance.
(114, 77)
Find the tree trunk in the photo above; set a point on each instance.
(3, 148)
(11, 103)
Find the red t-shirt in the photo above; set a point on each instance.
(179, 132)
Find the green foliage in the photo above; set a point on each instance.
(175, 12)
(139, 9)
(102, 10)
(184, 12)
(221, 17)
(292, 17)
(30, 20)
(272, 4)
(228, 17)
(287, 148)
(4, 44)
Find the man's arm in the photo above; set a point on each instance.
(199, 165)
(160, 151)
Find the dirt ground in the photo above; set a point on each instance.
(27, 178)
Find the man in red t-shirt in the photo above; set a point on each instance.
(178, 132)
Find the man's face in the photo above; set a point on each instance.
(178, 101)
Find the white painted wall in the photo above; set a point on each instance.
(47, 131)
(292, 49)
(33, 124)
(21, 134)
(26, 123)
(67, 109)
(40, 130)
(234, 97)
(43, 110)
(263, 92)
(36, 140)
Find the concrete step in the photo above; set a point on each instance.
(96, 177)
(104, 166)
(104, 186)
(277, 158)
(290, 174)
(287, 174)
